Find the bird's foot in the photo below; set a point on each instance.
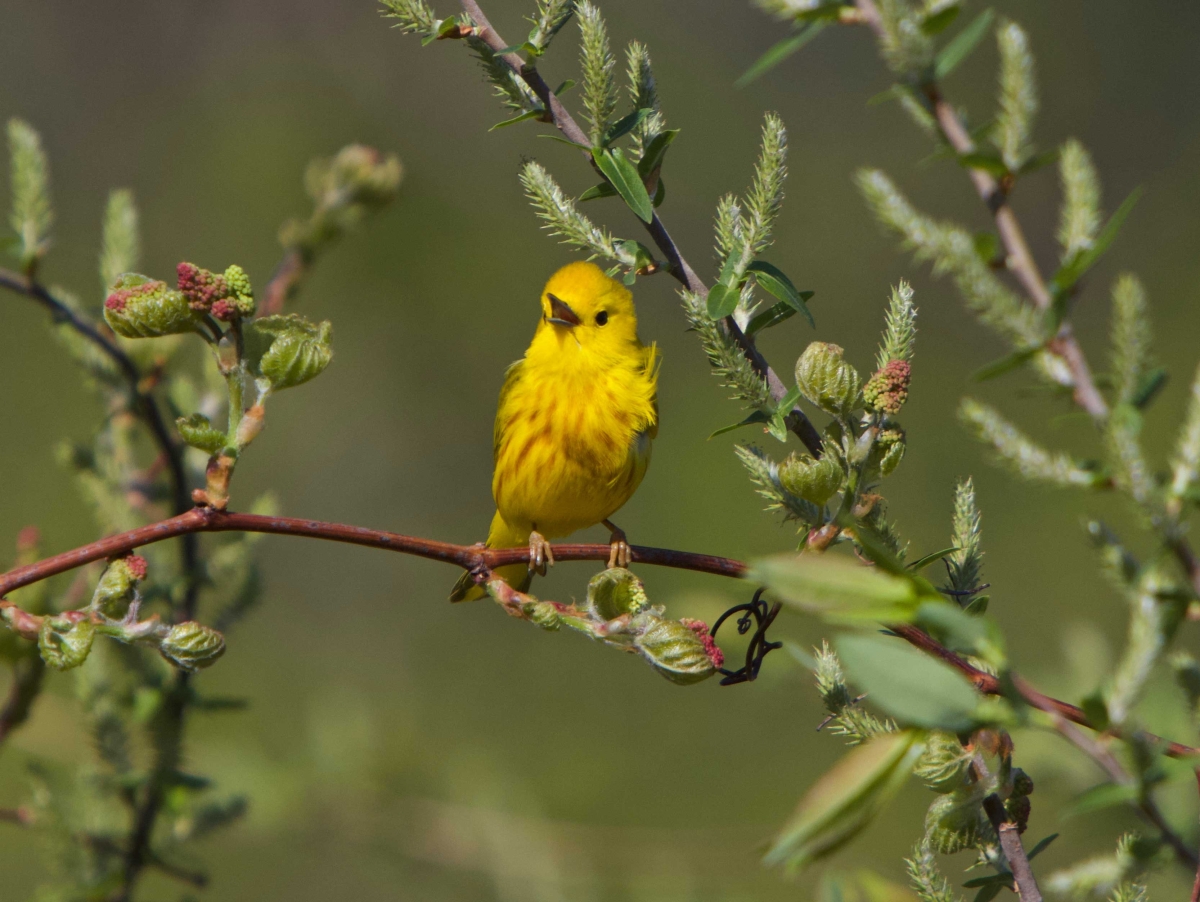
(541, 555)
(619, 554)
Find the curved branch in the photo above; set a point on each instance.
(797, 421)
(480, 560)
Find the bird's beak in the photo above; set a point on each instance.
(563, 314)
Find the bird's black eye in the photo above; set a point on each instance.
(601, 317)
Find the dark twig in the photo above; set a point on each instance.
(1014, 850)
(797, 421)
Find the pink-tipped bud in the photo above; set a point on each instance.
(887, 390)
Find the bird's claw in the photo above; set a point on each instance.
(541, 555)
(619, 554)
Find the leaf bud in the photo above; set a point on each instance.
(891, 447)
(192, 646)
(117, 583)
(240, 289)
(887, 390)
(813, 480)
(682, 651)
(299, 350)
(360, 173)
(943, 764)
(614, 592)
(956, 821)
(827, 380)
(544, 614)
(65, 642)
(141, 307)
(198, 432)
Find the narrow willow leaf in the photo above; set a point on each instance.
(908, 684)
(940, 20)
(988, 162)
(772, 316)
(845, 799)
(1071, 271)
(531, 114)
(779, 286)
(923, 562)
(656, 150)
(756, 416)
(781, 51)
(722, 300)
(624, 176)
(1015, 360)
(625, 125)
(1106, 795)
(836, 588)
(961, 46)
(604, 189)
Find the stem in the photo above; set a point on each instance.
(478, 559)
(797, 422)
(1014, 851)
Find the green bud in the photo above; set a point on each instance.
(813, 480)
(192, 645)
(827, 380)
(116, 585)
(614, 592)
(544, 614)
(198, 432)
(891, 459)
(140, 307)
(299, 350)
(677, 650)
(239, 286)
(943, 764)
(64, 644)
(957, 821)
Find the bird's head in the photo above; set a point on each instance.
(583, 308)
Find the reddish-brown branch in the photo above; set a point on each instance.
(478, 558)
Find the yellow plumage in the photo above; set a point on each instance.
(575, 418)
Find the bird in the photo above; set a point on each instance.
(574, 424)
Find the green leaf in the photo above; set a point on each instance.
(1002, 880)
(299, 350)
(656, 150)
(988, 162)
(988, 893)
(895, 92)
(722, 300)
(444, 27)
(962, 45)
(922, 563)
(756, 416)
(531, 114)
(619, 170)
(908, 684)
(1149, 387)
(604, 189)
(1041, 846)
(1106, 795)
(625, 125)
(1081, 262)
(837, 589)
(962, 632)
(772, 316)
(781, 51)
(845, 799)
(777, 424)
(776, 283)
(660, 192)
(1005, 364)
(940, 21)
(987, 246)
(198, 432)
(561, 140)
(564, 87)
(1036, 162)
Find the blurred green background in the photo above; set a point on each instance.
(400, 748)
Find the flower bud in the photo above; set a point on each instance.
(140, 307)
(117, 583)
(65, 643)
(1022, 783)
(887, 390)
(614, 592)
(240, 289)
(683, 652)
(943, 764)
(192, 646)
(360, 173)
(827, 380)
(1018, 809)
(201, 287)
(299, 350)
(813, 480)
(888, 451)
(544, 614)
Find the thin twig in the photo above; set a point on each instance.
(797, 421)
(283, 284)
(1145, 805)
(1014, 850)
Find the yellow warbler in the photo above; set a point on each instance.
(574, 423)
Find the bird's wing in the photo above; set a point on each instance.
(512, 377)
(650, 366)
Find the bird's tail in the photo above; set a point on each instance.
(501, 535)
